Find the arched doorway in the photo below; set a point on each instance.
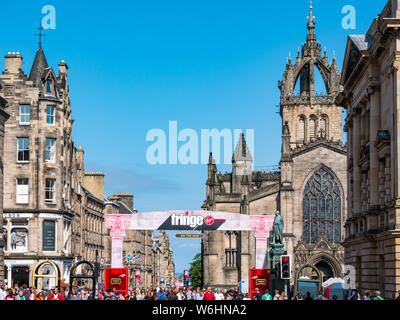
(46, 275)
(325, 269)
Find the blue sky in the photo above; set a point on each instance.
(136, 65)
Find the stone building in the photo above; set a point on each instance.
(371, 96)
(309, 190)
(38, 156)
(163, 262)
(3, 118)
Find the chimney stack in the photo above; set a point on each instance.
(13, 63)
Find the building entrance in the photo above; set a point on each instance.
(20, 276)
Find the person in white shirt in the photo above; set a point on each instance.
(2, 293)
(180, 295)
(219, 295)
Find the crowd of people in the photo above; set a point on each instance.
(84, 293)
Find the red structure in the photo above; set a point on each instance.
(117, 279)
(259, 278)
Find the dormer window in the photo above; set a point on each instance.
(49, 86)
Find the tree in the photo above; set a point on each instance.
(196, 270)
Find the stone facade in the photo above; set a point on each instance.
(163, 263)
(310, 189)
(3, 118)
(38, 157)
(371, 85)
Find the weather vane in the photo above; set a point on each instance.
(40, 35)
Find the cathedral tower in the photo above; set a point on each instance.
(310, 114)
(313, 161)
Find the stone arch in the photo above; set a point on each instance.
(313, 126)
(301, 128)
(324, 125)
(330, 260)
(323, 70)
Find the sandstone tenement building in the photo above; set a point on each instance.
(371, 96)
(309, 190)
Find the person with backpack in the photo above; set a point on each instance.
(378, 296)
(161, 295)
(266, 296)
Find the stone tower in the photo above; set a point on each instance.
(311, 115)
(313, 160)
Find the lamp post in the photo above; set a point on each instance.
(96, 274)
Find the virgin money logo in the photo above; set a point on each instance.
(209, 220)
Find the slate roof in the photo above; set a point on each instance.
(38, 67)
(362, 41)
(242, 152)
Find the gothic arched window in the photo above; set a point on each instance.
(301, 129)
(230, 240)
(323, 127)
(322, 208)
(313, 127)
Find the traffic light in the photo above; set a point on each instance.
(285, 267)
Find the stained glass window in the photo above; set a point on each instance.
(322, 208)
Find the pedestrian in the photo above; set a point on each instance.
(173, 295)
(308, 297)
(26, 292)
(132, 296)
(3, 293)
(352, 294)
(9, 295)
(378, 295)
(367, 295)
(110, 295)
(33, 294)
(73, 295)
(56, 295)
(161, 295)
(266, 295)
(246, 297)
(39, 295)
(189, 294)
(298, 296)
(20, 295)
(120, 296)
(258, 295)
(219, 295)
(321, 296)
(209, 295)
(196, 294)
(84, 294)
(277, 295)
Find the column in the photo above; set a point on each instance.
(350, 209)
(9, 274)
(375, 120)
(356, 168)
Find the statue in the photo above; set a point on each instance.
(277, 230)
